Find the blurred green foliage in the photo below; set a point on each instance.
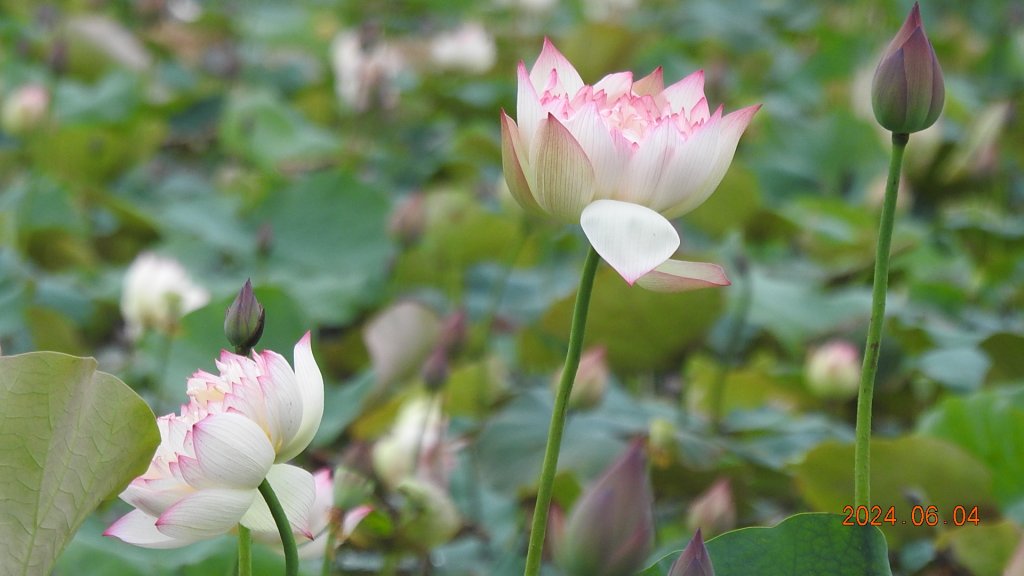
(227, 136)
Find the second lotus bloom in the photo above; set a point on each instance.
(236, 430)
(621, 157)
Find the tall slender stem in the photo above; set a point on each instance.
(332, 537)
(244, 551)
(291, 554)
(572, 363)
(862, 453)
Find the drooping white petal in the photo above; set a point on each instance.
(206, 513)
(730, 128)
(550, 59)
(565, 177)
(296, 490)
(310, 384)
(231, 451)
(139, 529)
(680, 276)
(684, 94)
(631, 238)
(512, 163)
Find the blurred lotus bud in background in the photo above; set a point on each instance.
(714, 511)
(25, 108)
(591, 379)
(833, 370)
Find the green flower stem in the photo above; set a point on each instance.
(572, 363)
(332, 536)
(244, 551)
(291, 553)
(862, 454)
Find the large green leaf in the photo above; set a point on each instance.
(907, 472)
(801, 545)
(330, 247)
(989, 425)
(70, 437)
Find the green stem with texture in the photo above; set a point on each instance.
(244, 551)
(291, 553)
(862, 453)
(550, 466)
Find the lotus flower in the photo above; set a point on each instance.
(236, 430)
(620, 157)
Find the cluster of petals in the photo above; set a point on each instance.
(236, 430)
(621, 157)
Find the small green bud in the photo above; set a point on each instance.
(243, 321)
(907, 92)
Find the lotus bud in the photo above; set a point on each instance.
(714, 511)
(428, 517)
(694, 561)
(591, 379)
(907, 92)
(351, 488)
(408, 220)
(611, 528)
(435, 369)
(833, 370)
(25, 108)
(244, 319)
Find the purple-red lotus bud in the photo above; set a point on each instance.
(907, 92)
(243, 322)
(694, 561)
(611, 528)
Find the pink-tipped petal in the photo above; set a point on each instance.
(715, 154)
(684, 94)
(605, 154)
(529, 111)
(615, 85)
(280, 388)
(512, 164)
(648, 165)
(231, 452)
(650, 85)
(680, 276)
(569, 81)
(565, 177)
(139, 529)
(352, 519)
(310, 387)
(296, 491)
(632, 239)
(205, 514)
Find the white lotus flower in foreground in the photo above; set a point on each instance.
(621, 157)
(235, 431)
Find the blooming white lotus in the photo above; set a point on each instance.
(621, 157)
(237, 429)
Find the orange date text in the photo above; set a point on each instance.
(919, 516)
